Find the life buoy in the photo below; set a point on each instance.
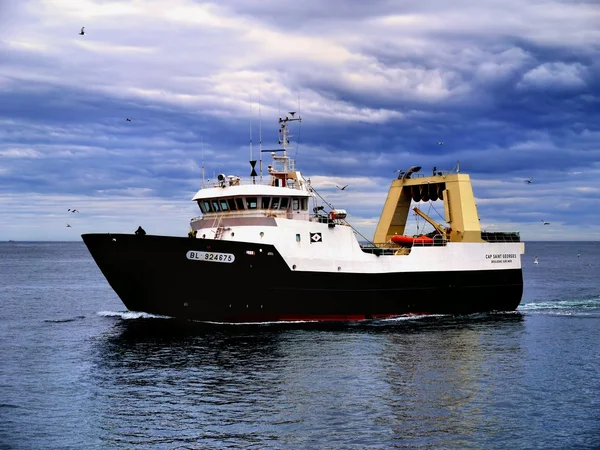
(331, 215)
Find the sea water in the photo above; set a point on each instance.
(78, 371)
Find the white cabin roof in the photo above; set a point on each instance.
(249, 190)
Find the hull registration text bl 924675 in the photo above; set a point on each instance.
(211, 256)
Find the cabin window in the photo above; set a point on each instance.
(284, 203)
(304, 202)
(240, 203)
(275, 203)
(296, 203)
(215, 205)
(265, 202)
(200, 206)
(297, 238)
(231, 203)
(223, 204)
(207, 207)
(251, 202)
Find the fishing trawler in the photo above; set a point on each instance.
(268, 251)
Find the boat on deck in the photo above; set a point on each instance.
(410, 240)
(269, 251)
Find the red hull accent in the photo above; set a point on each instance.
(324, 317)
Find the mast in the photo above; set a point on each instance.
(284, 135)
(252, 162)
(259, 137)
(281, 167)
(203, 178)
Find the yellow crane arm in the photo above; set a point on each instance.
(439, 228)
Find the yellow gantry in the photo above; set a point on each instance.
(459, 206)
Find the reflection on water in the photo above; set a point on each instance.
(76, 376)
(355, 385)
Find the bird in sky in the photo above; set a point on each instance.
(529, 180)
(128, 119)
(545, 223)
(341, 188)
(72, 210)
(82, 33)
(440, 143)
(69, 226)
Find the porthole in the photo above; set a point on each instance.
(294, 267)
(261, 234)
(232, 234)
(339, 269)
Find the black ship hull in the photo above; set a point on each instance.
(164, 275)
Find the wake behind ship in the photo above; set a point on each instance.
(270, 252)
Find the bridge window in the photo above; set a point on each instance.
(275, 203)
(284, 203)
(251, 202)
(265, 202)
(296, 203)
(206, 205)
(231, 203)
(240, 203)
(304, 202)
(215, 205)
(223, 204)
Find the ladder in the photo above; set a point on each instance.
(219, 228)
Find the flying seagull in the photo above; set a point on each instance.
(545, 223)
(82, 33)
(69, 226)
(529, 180)
(128, 119)
(341, 188)
(440, 143)
(72, 210)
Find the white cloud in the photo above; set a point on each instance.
(555, 75)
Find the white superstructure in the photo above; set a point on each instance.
(284, 213)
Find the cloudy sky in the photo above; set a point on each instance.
(511, 88)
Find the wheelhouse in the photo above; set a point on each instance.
(248, 204)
